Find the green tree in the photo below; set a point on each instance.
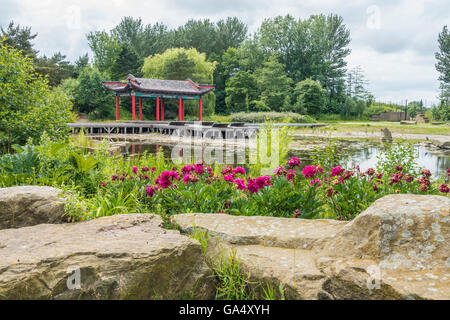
(198, 34)
(55, 67)
(20, 38)
(311, 97)
(274, 85)
(195, 66)
(230, 33)
(227, 66)
(443, 65)
(315, 48)
(356, 84)
(27, 106)
(127, 63)
(164, 66)
(91, 97)
(241, 92)
(80, 64)
(179, 67)
(106, 49)
(414, 107)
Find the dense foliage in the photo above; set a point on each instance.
(27, 106)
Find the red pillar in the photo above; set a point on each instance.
(179, 109)
(117, 108)
(182, 110)
(162, 109)
(200, 109)
(140, 108)
(157, 108)
(134, 107)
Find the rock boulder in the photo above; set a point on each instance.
(119, 257)
(399, 248)
(30, 205)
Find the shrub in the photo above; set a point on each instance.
(27, 106)
(259, 117)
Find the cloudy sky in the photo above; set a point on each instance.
(393, 41)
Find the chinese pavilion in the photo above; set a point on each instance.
(159, 89)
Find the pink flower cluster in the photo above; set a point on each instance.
(166, 178)
(150, 190)
(444, 188)
(290, 175)
(190, 178)
(336, 171)
(254, 185)
(294, 162)
(311, 171)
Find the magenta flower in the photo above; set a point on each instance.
(263, 181)
(309, 171)
(316, 181)
(150, 190)
(135, 170)
(145, 169)
(114, 177)
(166, 178)
(290, 175)
(199, 168)
(426, 172)
(227, 170)
(186, 178)
(103, 184)
(239, 170)
(252, 186)
(240, 184)
(173, 175)
(330, 192)
(444, 188)
(187, 169)
(336, 171)
(293, 162)
(279, 171)
(228, 177)
(424, 180)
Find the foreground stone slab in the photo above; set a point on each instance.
(397, 249)
(119, 257)
(30, 205)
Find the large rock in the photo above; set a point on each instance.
(30, 205)
(397, 249)
(119, 257)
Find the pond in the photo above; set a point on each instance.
(362, 153)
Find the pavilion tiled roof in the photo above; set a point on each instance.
(158, 86)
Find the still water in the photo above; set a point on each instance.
(364, 154)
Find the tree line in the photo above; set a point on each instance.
(288, 64)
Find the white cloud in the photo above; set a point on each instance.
(397, 56)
